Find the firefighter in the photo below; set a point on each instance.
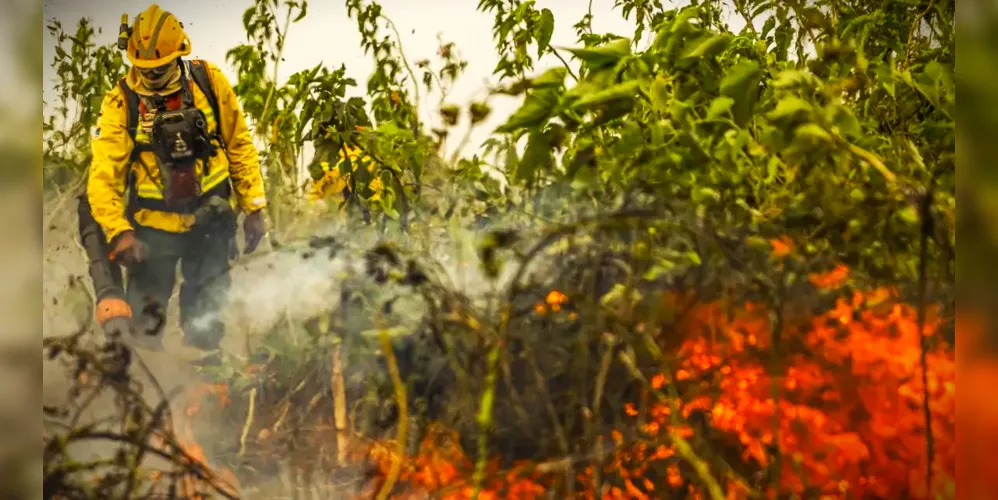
(172, 135)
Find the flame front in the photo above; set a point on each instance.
(840, 415)
(808, 413)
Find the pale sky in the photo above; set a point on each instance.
(328, 36)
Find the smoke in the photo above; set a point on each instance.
(283, 286)
(299, 282)
(67, 307)
(272, 290)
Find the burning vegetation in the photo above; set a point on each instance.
(682, 398)
(710, 265)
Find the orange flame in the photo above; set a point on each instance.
(782, 247)
(857, 359)
(193, 451)
(843, 411)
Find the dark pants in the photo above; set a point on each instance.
(204, 265)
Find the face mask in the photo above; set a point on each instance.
(159, 78)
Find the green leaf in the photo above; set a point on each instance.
(307, 112)
(679, 110)
(584, 154)
(812, 133)
(757, 242)
(248, 18)
(388, 202)
(694, 258)
(550, 78)
(768, 26)
(537, 156)
(545, 29)
(847, 123)
(934, 82)
(909, 215)
(301, 14)
(886, 78)
(720, 106)
(536, 109)
(681, 24)
(626, 90)
(703, 193)
(661, 268)
(479, 111)
(772, 168)
(790, 108)
(604, 55)
(583, 88)
(659, 94)
(741, 83)
(793, 78)
(916, 155)
(707, 46)
(613, 110)
(618, 295)
(315, 171)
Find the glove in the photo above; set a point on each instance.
(254, 228)
(127, 249)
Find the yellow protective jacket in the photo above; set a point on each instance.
(111, 165)
(333, 180)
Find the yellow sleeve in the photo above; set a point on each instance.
(244, 164)
(111, 149)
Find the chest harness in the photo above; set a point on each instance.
(178, 136)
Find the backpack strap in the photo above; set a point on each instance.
(199, 73)
(198, 70)
(132, 124)
(132, 106)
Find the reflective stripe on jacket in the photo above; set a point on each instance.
(111, 163)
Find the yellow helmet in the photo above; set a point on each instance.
(156, 39)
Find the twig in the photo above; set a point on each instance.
(871, 159)
(192, 465)
(683, 447)
(487, 399)
(740, 8)
(408, 68)
(605, 362)
(249, 422)
(925, 213)
(68, 194)
(282, 35)
(463, 143)
(400, 396)
(543, 389)
(563, 61)
(910, 45)
(776, 386)
(280, 419)
(159, 390)
(340, 406)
